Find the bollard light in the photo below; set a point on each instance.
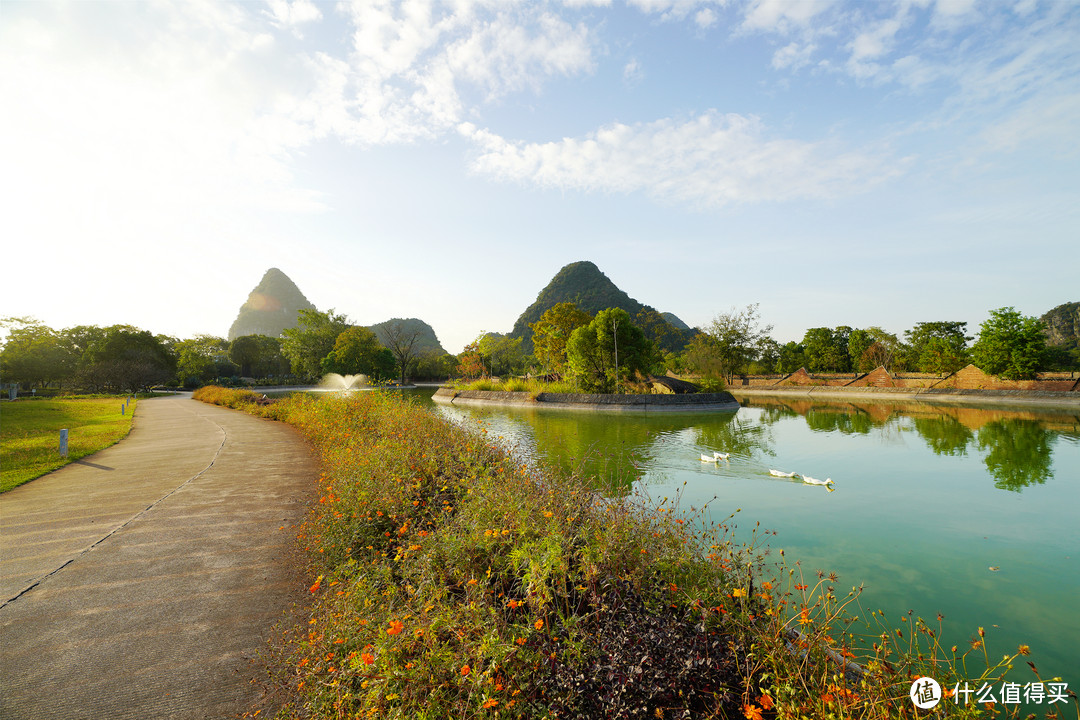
(63, 443)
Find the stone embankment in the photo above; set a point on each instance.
(700, 402)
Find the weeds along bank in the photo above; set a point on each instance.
(453, 582)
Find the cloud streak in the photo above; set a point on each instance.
(713, 159)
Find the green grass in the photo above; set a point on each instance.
(30, 433)
(450, 581)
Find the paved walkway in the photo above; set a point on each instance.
(142, 581)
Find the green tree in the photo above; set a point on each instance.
(826, 349)
(665, 336)
(607, 351)
(938, 347)
(258, 356)
(358, 351)
(311, 340)
(32, 353)
(128, 359)
(200, 359)
(1010, 345)
(792, 357)
(552, 332)
(503, 353)
(729, 343)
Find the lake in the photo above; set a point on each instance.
(927, 500)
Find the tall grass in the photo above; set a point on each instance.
(449, 581)
(30, 433)
(530, 385)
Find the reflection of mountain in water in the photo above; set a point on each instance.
(615, 449)
(1019, 453)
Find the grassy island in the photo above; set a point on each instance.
(450, 581)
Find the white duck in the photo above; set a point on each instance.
(707, 458)
(721, 456)
(814, 481)
(777, 473)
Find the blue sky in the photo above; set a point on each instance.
(839, 163)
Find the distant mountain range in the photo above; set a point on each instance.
(273, 307)
(583, 284)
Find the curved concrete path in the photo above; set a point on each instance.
(141, 582)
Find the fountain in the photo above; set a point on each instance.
(333, 382)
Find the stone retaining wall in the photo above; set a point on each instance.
(593, 402)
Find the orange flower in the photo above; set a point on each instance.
(490, 703)
(766, 702)
(751, 712)
(539, 624)
(514, 604)
(368, 659)
(768, 586)
(804, 616)
(395, 627)
(801, 587)
(465, 670)
(315, 588)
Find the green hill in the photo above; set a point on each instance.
(270, 308)
(1063, 325)
(583, 284)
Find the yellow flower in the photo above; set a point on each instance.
(1024, 650)
(539, 624)
(737, 593)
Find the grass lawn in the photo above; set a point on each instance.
(30, 433)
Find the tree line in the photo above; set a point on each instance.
(599, 353)
(585, 348)
(124, 358)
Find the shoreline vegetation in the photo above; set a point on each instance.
(448, 580)
(591, 402)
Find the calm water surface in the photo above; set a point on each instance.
(927, 499)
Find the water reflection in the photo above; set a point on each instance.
(1019, 453)
(944, 435)
(928, 498)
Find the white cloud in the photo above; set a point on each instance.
(680, 9)
(414, 66)
(782, 16)
(793, 55)
(632, 72)
(705, 18)
(293, 15)
(713, 159)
